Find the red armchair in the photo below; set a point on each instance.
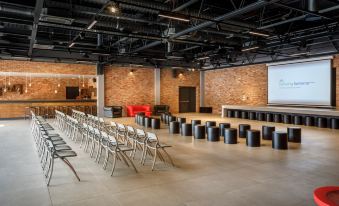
(132, 110)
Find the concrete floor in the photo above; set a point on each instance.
(206, 173)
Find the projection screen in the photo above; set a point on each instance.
(305, 83)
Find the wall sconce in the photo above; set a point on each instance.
(131, 71)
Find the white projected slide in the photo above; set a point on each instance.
(306, 83)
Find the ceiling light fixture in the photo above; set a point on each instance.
(92, 24)
(299, 54)
(136, 65)
(258, 34)
(175, 16)
(71, 45)
(250, 48)
(203, 58)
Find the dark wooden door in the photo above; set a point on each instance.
(187, 99)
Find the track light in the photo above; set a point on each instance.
(203, 58)
(92, 24)
(299, 54)
(249, 48)
(173, 16)
(71, 45)
(258, 34)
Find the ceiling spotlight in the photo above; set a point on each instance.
(113, 8)
(174, 16)
(250, 48)
(258, 34)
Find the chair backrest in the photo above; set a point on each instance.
(152, 136)
(140, 132)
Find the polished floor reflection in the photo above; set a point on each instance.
(206, 173)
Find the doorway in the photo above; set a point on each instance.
(187, 99)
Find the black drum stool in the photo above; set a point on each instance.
(297, 120)
(261, 116)
(244, 115)
(267, 132)
(294, 134)
(309, 121)
(222, 127)
(322, 122)
(269, 117)
(286, 119)
(253, 138)
(163, 117)
(171, 119)
(277, 118)
(194, 122)
(334, 123)
(230, 136)
(186, 129)
(279, 140)
(141, 120)
(210, 124)
(230, 113)
(242, 130)
(174, 127)
(237, 114)
(252, 115)
(155, 123)
(199, 132)
(148, 122)
(213, 134)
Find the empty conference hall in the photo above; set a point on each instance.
(169, 102)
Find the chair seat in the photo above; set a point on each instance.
(66, 153)
(58, 142)
(62, 147)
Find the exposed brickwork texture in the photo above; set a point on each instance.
(169, 87)
(335, 64)
(124, 88)
(43, 88)
(245, 85)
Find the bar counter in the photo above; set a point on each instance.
(13, 109)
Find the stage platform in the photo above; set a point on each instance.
(334, 113)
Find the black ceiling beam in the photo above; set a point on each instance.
(304, 11)
(234, 13)
(37, 12)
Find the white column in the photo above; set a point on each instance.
(202, 88)
(100, 94)
(157, 86)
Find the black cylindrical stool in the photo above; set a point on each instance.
(261, 116)
(286, 118)
(253, 138)
(279, 140)
(186, 129)
(309, 121)
(210, 124)
(294, 134)
(136, 118)
(322, 122)
(269, 117)
(194, 122)
(334, 123)
(237, 114)
(252, 115)
(230, 136)
(181, 120)
(277, 118)
(267, 132)
(155, 123)
(242, 130)
(174, 127)
(166, 118)
(213, 134)
(148, 122)
(230, 113)
(244, 115)
(222, 127)
(297, 120)
(162, 117)
(171, 119)
(141, 120)
(199, 132)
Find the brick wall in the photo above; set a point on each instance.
(123, 88)
(245, 85)
(169, 87)
(43, 88)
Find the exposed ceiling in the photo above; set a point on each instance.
(204, 34)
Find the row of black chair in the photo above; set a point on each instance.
(296, 119)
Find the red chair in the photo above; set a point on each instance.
(132, 110)
(326, 196)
